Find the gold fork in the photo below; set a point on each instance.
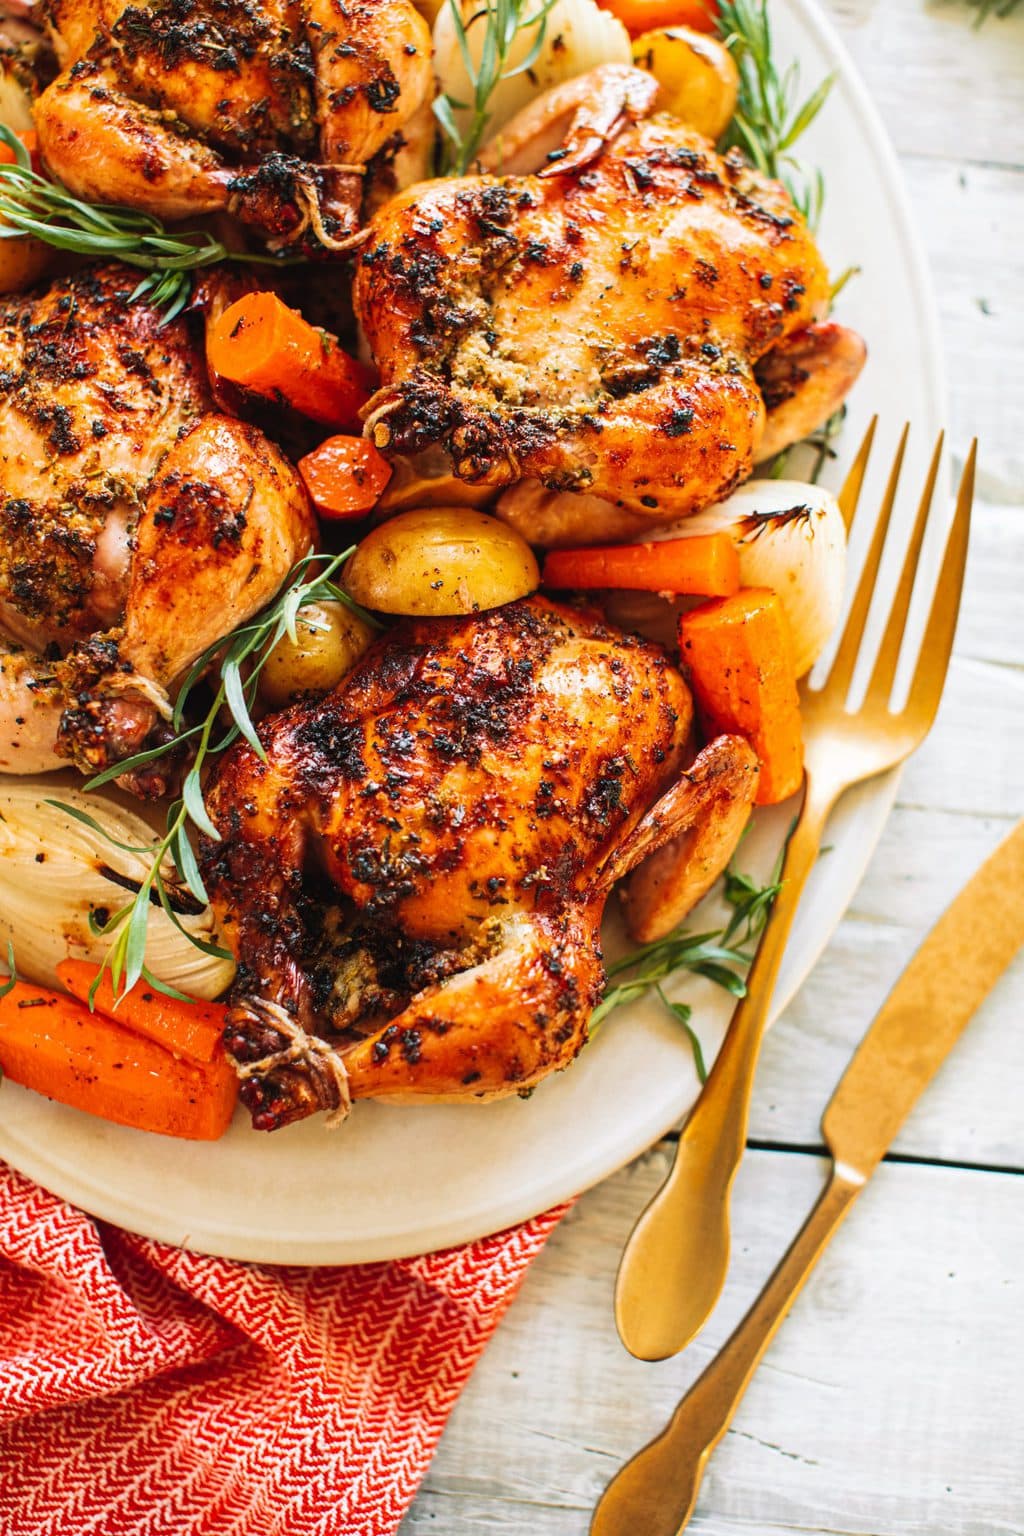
(674, 1264)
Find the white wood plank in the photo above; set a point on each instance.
(971, 222)
(991, 627)
(944, 88)
(971, 1112)
(890, 1404)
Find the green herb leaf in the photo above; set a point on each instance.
(502, 21)
(987, 8)
(770, 117)
(683, 1013)
(310, 581)
(31, 204)
(12, 972)
(234, 695)
(135, 941)
(711, 955)
(95, 826)
(192, 795)
(165, 987)
(184, 858)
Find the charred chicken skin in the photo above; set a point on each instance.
(137, 525)
(592, 334)
(266, 110)
(413, 880)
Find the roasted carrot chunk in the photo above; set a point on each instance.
(191, 1029)
(647, 15)
(53, 1044)
(261, 345)
(29, 138)
(706, 565)
(737, 654)
(345, 477)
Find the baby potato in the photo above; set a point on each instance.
(330, 639)
(437, 561)
(697, 74)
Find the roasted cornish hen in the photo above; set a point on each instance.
(268, 111)
(592, 335)
(413, 880)
(137, 525)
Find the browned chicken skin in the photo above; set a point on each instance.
(137, 525)
(414, 879)
(592, 329)
(265, 108)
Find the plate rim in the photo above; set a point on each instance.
(608, 1154)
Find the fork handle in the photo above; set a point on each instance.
(719, 1118)
(674, 1265)
(656, 1491)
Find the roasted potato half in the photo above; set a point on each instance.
(437, 561)
(330, 639)
(697, 74)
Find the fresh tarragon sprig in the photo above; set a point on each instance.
(31, 204)
(236, 661)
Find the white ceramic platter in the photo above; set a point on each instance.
(397, 1181)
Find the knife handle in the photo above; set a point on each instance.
(656, 1491)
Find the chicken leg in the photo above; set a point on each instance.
(225, 520)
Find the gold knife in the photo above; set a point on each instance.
(920, 1022)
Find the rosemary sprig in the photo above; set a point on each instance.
(502, 21)
(173, 874)
(987, 8)
(770, 116)
(31, 204)
(721, 956)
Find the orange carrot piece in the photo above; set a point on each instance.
(260, 344)
(345, 477)
(191, 1029)
(29, 138)
(706, 565)
(649, 15)
(52, 1043)
(738, 656)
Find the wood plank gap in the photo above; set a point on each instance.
(961, 162)
(913, 1159)
(1010, 817)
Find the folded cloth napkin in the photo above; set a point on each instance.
(148, 1391)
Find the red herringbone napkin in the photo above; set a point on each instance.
(147, 1391)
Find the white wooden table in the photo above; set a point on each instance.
(893, 1401)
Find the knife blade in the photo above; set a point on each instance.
(928, 1009)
